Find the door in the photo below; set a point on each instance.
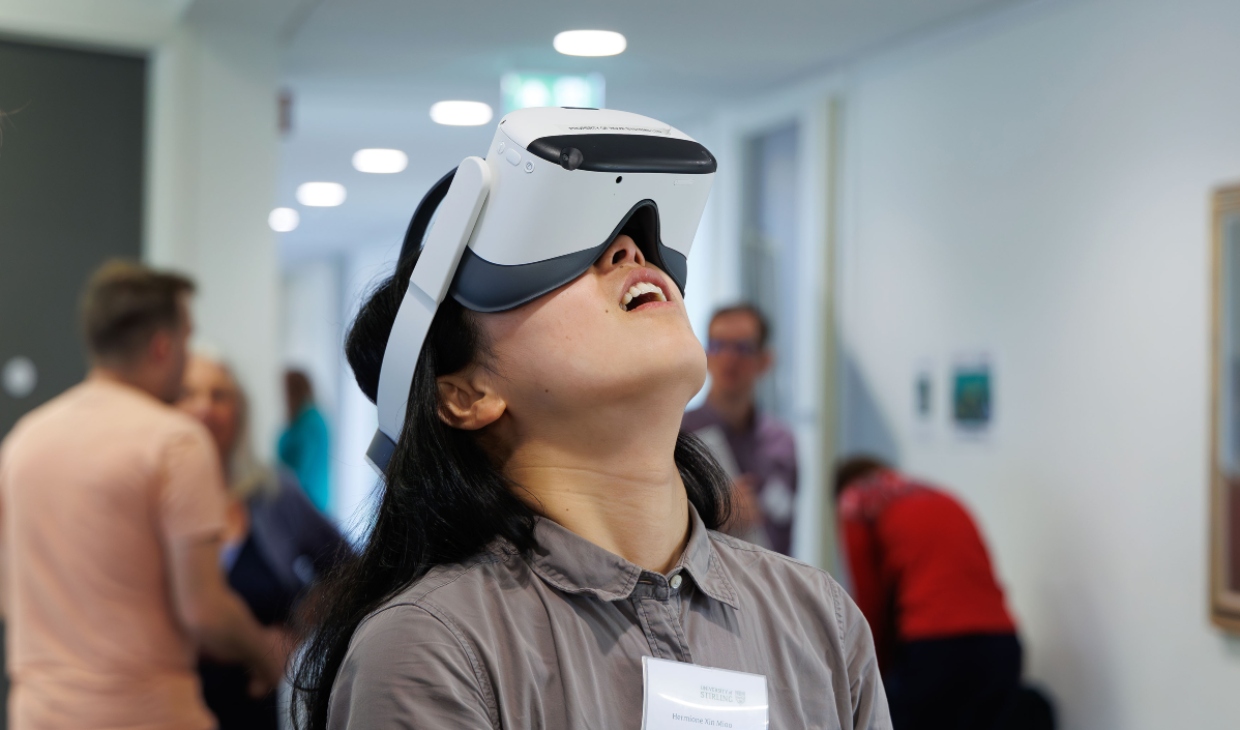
(71, 172)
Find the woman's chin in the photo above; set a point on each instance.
(676, 377)
(686, 361)
(695, 371)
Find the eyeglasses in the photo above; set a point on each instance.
(742, 348)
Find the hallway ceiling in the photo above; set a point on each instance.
(364, 73)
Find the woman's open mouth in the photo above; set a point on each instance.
(643, 292)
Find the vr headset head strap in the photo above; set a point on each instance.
(422, 216)
(459, 196)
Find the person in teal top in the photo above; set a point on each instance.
(305, 445)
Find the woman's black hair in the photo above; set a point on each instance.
(444, 499)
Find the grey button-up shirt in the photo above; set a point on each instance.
(554, 639)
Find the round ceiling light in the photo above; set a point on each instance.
(461, 113)
(320, 194)
(590, 43)
(283, 220)
(380, 161)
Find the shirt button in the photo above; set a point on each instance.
(676, 581)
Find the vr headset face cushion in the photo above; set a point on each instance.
(482, 286)
(643, 227)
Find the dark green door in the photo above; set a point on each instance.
(71, 172)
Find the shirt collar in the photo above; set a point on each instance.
(573, 564)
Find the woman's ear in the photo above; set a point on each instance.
(467, 400)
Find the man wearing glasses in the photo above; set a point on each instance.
(757, 450)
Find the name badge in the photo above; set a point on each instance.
(679, 696)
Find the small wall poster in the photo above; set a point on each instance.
(924, 392)
(972, 395)
(923, 396)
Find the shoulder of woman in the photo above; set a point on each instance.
(807, 604)
(469, 586)
(398, 630)
(407, 662)
(755, 570)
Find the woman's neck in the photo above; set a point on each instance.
(617, 487)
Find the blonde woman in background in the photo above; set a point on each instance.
(276, 542)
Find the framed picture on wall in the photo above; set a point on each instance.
(1225, 413)
(971, 390)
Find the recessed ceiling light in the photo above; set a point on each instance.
(380, 161)
(590, 43)
(283, 220)
(320, 194)
(461, 113)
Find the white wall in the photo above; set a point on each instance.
(213, 159)
(312, 327)
(1037, 186)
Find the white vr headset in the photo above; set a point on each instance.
(556, 188)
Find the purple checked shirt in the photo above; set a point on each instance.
(765, 451)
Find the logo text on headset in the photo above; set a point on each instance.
(611, 128)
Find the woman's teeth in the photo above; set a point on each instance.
(642, 293)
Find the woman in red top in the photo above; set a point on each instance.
(946, 643)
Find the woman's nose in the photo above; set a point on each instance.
(623, 250)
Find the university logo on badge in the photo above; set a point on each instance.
(740, 696)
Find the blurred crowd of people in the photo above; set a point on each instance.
(158, 573)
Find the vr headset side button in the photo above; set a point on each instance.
(513, 156)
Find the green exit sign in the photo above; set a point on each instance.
(523, 90)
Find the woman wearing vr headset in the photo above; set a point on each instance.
(544, 554)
